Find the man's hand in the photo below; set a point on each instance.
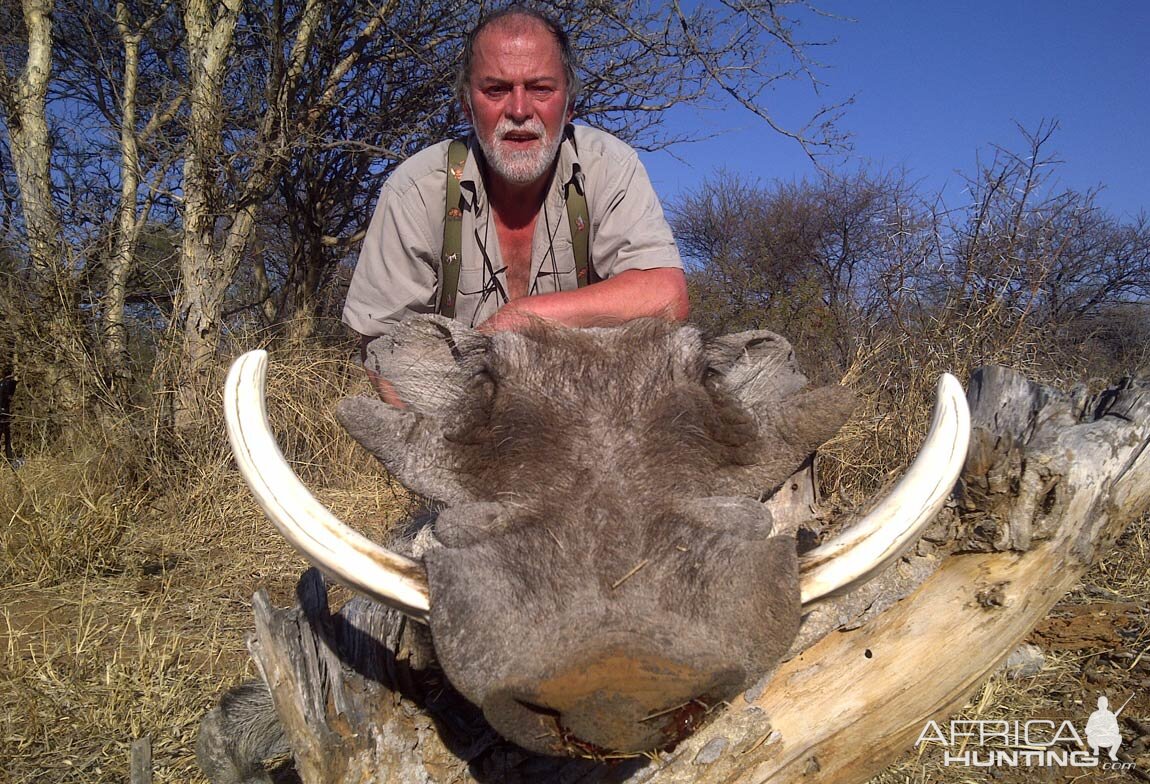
(660, 292)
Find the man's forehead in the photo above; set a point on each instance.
(516, 24)
(502, 34)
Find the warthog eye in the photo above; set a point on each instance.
(467, 421)
(466, 524)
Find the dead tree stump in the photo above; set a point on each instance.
(1051, 480)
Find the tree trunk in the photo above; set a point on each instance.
(58, 346)
(301, 292)
(1050, 482)
(31, 148)
(206, 269)
(203, 275)
(130, 214)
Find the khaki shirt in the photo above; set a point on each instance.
(398, 268)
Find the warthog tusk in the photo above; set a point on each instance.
(337, 550)
(865, 549)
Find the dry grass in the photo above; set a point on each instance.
(127, 583)
(67, 514)
(127, 577)
(894, 373)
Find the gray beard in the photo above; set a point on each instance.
(524, 167)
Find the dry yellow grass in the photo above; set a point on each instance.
(127, 583)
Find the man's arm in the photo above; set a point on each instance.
(632, 248)
(660, 292)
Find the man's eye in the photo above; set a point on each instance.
(542, 92)
(495, 92)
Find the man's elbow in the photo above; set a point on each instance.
(676, 304)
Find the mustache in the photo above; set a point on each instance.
(533, 125)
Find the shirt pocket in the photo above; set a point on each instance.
(556, 270)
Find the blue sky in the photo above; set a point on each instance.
(938, 83)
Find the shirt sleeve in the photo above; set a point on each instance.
(630, 230)
(395, 276)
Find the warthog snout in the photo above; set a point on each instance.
(622, 699)
(645, 633)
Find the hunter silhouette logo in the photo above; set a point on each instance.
(1102, 728)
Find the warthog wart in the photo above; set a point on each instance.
(601, 556)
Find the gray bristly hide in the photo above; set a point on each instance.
(239, 734)
(605, 576)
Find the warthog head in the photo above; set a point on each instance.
(603, 572)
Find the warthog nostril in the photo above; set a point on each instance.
(540, 710)
(613, 701)
(547, 720)
(659, 729)
(559, 737)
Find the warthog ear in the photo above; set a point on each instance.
(757, 366)
(758, 370)
(428, 360)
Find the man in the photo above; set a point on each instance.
(517, 87)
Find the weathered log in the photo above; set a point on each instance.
(1050, 482)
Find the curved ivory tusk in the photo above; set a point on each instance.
(866, 548)
(350, 558)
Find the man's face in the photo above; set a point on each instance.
(517, 99)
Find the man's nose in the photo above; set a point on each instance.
(519, 108)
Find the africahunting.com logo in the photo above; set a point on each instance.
(990, 743)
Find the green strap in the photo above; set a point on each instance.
(449, 258)
(578, 219)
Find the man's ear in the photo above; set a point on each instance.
(465, 104)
